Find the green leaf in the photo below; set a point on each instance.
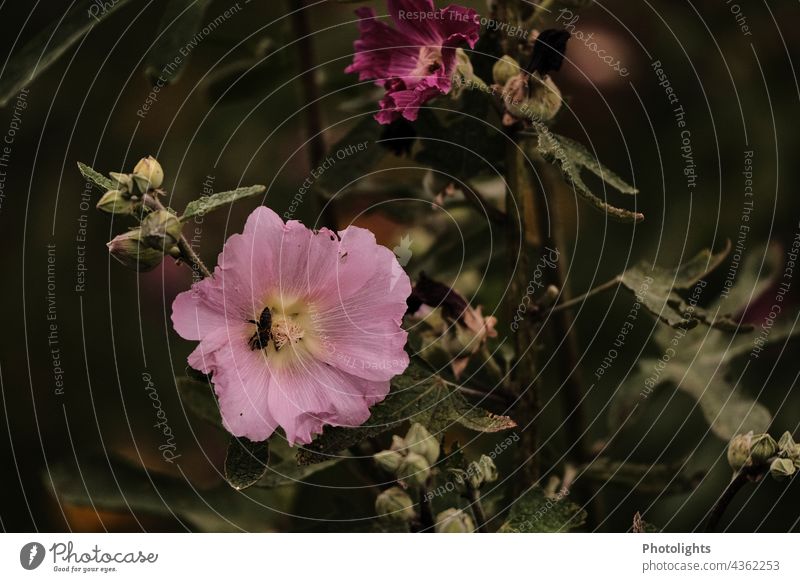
(115, 484)
(534, 512)
(50, 44)
(418, 395)
(206, 204)
(656, 288)
(97, 178)
(701, 359)
(198, 396)
(346, 164)
(246, 462)
(176, 31)
(656, 478)
(290, 473)
(572, 158)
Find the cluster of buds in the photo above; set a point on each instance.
(753, 451)
(410, 458)
(142, 248)
(477, 473)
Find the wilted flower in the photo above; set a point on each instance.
(414, 61)
(300, 329)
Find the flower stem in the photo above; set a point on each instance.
(476, 507)
(316, 141)
(738, 481)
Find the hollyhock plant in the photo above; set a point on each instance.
(298, 328)
(414, 61)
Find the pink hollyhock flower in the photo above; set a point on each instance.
(415, 61)
(299, 329)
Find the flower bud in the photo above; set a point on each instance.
(161, 230)
(395, 505)
(388, 460)
(129, 250)
(115, 202)
(414, 470)
(739, 450)
(762, 448)
(454, 521)
(148, 174)
(786, 444)
(398, 444)
(124, 182)
(420, 441)
(782, 469)
(474, 475)
(504, 69)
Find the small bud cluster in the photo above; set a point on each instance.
(410, 458)
(142, 248)
(753, 451)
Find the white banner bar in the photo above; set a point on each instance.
(399, 557)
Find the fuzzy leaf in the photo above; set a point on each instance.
(418, 395)
(97, 178)
(572, 158)
(46, 47)
(206, 204)
(198, 396)
(355, 164)
(534, 512)
(246, 462)
(656, 289)
(701, 359)
(178, 27)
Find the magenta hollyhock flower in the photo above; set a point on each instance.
(299, 328)
(415, 61)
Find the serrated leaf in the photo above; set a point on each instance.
(206, 204)
(198, 396)
(656, 289)
(700, 363)
(418, 395)
(50, 44)
(246, 462)
(178, 28)
(534, 512)
(353, 165)
(572, 158)
(97, 178)
(655, 478)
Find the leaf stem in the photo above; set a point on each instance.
(581, 298)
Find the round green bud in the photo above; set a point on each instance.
(414, 470)
(454, 521)
(394, 504)
(129, 250)
(148, 174)
(762, 448)
(488, 469)
(161, 230)
(504, 69)
(782, 469)
(786, 444)
(739, 450)
(124, 182)
(420, 441)
(388, 460)
(115, 202)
